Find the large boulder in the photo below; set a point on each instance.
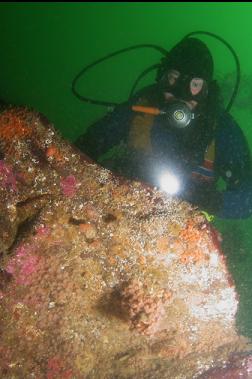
(102, 277)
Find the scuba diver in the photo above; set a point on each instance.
(176, 135)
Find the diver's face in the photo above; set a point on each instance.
(181, 87)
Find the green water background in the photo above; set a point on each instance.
(44, 45)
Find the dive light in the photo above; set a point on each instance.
(178, 114)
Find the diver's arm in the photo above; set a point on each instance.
(237, 203)
(234, 155)
(106, 132)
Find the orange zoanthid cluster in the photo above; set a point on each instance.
(191, 236)
(14, 124)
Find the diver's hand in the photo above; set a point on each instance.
(206, 198)
(212, 202)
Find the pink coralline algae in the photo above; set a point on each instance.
(68, 186)
(239, 366)
(7, 177)
(23, 265)
(43, 231)
(56, 370)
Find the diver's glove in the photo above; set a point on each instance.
(206, 198)
(211, 201)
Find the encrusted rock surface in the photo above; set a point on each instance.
(102, 277)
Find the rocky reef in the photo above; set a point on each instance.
(103, 277)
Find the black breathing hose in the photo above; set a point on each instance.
(153, 67)
(91, 65)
